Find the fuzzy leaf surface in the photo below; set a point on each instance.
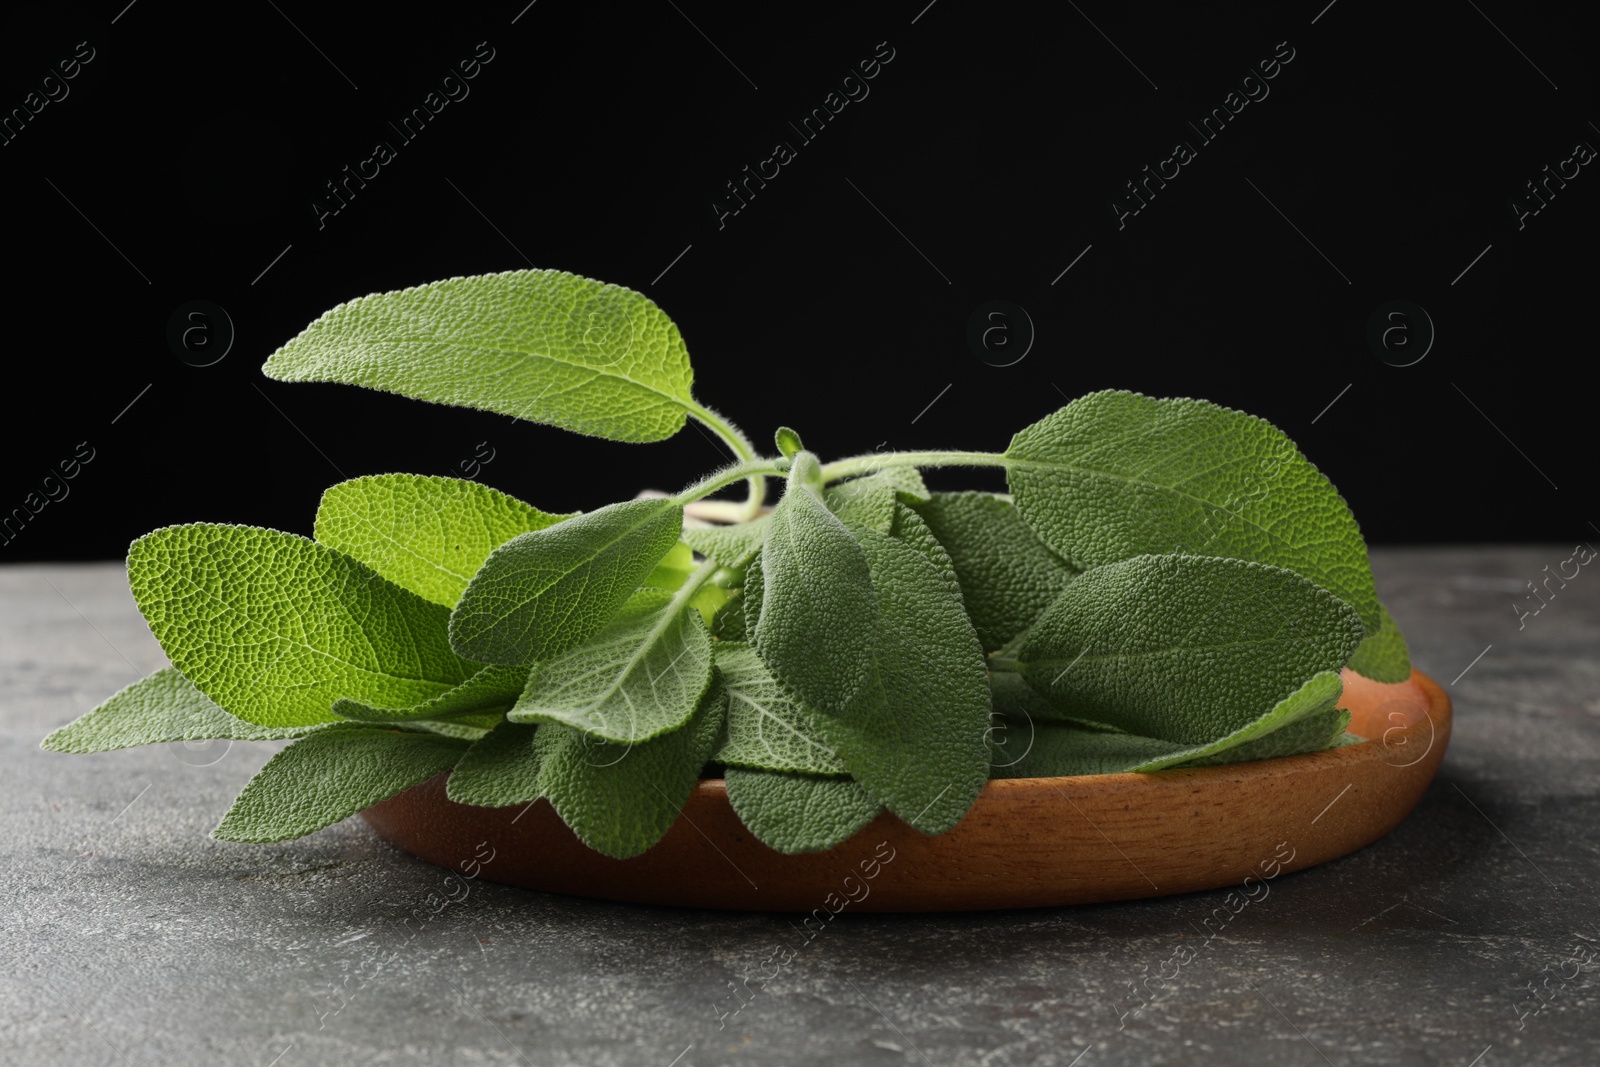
(1187, 649)
(619, 799)
(491, 689)
(426, 534)
(641, 676)
(275, 628)
(163, 707)
(1117, 474)
(767, 727)
(814, 624)
(731, 546)
(500, 769)
(330, 775)
(1305, 721)
(1383, 656)
(544, 592)
(914, 735)
(869, 500)
(1008, 577)
(541, 345)
(794, 813)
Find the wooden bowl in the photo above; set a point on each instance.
(1027, 842)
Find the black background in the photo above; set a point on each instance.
(1382, 164)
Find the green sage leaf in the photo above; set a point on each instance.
(500, 769)
(914, 735)
(1007, 576)
(814, 625)
(767, 727)
(641, 676)
(730, 546)
(1305, 721)
(330, 775)
(1187, 649)
(870, 500)
(429, 535)
(544, 592)
(1383, 656)
(275, 628)
(491, 689)
(1116, 474)
(163, 707)
(620, 798)
(794, 813)
(541, 345)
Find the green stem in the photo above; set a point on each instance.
(755, 470)
(740, 446)
(877, 461)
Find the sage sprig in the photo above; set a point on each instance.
(1168, 583)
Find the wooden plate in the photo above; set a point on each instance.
(1027, 842)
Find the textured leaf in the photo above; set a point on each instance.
(163, 707)
(914, 736)
(1011, 696)
(767, 727)
(753, 596)
(1115, 475)
(330, 775)
(869, 501)
(540, 345)
(641, 676)
(814, 624)
(275, 627)
(498, 770)
(619, 799)
(491, 689)
(1008, 577)
(1383, 656)
(1186, 649)
(908, 526)
(673, 569)
(1305, 721)
(793, 813)
(544, 592)
(731, 546)
(429, 535)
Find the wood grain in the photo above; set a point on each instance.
(1028, 842)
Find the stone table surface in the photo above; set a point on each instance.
(130, 937)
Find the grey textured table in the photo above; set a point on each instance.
(132, 938)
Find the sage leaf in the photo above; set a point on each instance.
(620, 798)
(1305, 721)
(794, 813)
(641, 676)
(429, 535)
(544, 592)
(163, 707)
(814, 625)
(330, 775)
(1008, 577)
(731, 546)
(1116, 474)
(491, 689)
(1383, 656)
(275, 628)
(914, 735)
(672, 569)
(500, 769)
(869, 501)
(1187, 649)
(767, 728)
(541, 345)
(908, 526)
